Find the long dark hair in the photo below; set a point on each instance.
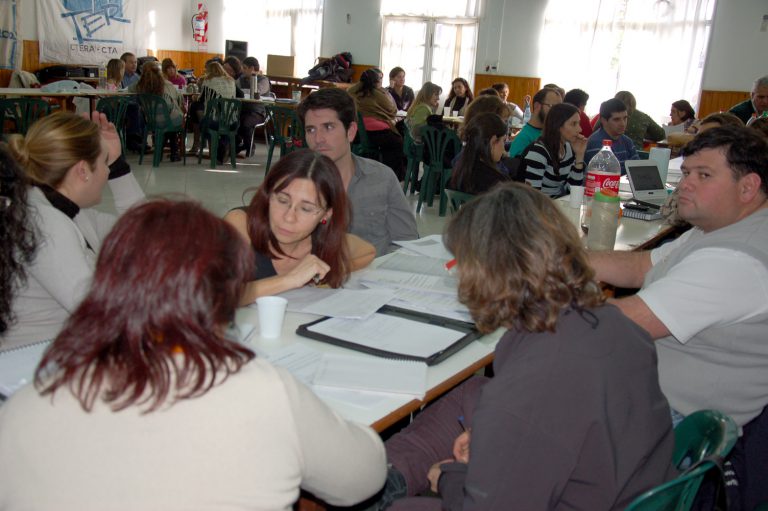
(18, 239)
(150, 327)
(477, 150)
(152, 80)
(328, 240)
(550, 135)
(468, 94)
(368, 81)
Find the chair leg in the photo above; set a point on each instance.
(443, 196)
(143, 146)
(200, 148)
(157, 155)
(269, 156)
(214, 150)
(233, 150)
(426, 188)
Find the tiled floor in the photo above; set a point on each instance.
(224, 188)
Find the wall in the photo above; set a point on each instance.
(738, 51)
(361, 36)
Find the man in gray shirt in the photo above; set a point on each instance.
(380, 212)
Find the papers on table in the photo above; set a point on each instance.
(377, 278)
(430, 246)
(415, 264)
(17, 366)
(338, 303)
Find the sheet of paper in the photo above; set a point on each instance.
(17, 367)
(300, 360)
(337, 303)
(403, 280)
(391, 333)
(434, 303)
(356, 398)
(372, 374)
(415, 264)
(430, 246)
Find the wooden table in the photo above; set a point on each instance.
(63, 96)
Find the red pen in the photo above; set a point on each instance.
(450, 265)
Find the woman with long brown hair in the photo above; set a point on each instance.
(152, 81)
(297, 225)
(574, 417)
(141, 402)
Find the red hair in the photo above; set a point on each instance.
(151, 324)
(328, 240)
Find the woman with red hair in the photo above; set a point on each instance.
(297, 224)
(141, 402)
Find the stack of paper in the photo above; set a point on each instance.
(372, 374)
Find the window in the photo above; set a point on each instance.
(265, 26)
(654, 49)
(432, 41)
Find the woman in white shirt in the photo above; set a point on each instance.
(142, 403)
(68, 160)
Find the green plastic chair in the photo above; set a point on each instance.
(23, 112)
(643, 155)
(703, 434)
(456, 199)
(221, 119)
(285, 130)
(157, 120)
(114, 107)
(675, 495)
(437, 141)
(414, 153)
(362, 146)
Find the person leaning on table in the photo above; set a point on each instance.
(67, 161)
(142, 403)
(296, 224)
(574, 417)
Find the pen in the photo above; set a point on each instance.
(460, 418)
(450, 265)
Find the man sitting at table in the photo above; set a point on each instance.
(129, 75)
(542, 102)
(756, 104)
(704, 297)
(613, 117)
(380, 212)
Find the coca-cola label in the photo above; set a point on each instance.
(597, 181)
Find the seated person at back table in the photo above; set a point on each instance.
(380, 212)
(378, 110)
(640, 126)
(297, 226)
(757, 103)
(540, 104)
(579, 98)
(141, 402)
(460, 96)
(613, 119)
(555, 162)
(476, 170)
(704, 296)
(574, 417)
(400, 92)
(424, 105)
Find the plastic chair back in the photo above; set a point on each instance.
(675, 495)
(363, 146)
(437, 142)
(414, 153)
(703, 434)
(285, 131)
(222, 119)
(23, 112)
(456, 198)
(115, 107)
(157, 119)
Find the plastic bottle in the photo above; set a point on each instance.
(604, 221)
(527, 110)
(102, 76)
(603, 173)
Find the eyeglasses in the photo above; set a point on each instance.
(283, 201)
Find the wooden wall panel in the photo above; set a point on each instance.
(712, 101)
(519, 86)
(186, 59)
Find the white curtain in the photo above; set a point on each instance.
(653, 48)
(285, 27)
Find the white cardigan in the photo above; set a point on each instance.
(59, 276)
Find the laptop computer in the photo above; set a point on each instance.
(645, 182)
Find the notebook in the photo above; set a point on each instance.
(17, 367)
(645, 182)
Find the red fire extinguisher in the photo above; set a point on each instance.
(200, 25)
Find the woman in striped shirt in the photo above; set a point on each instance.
(556, 160)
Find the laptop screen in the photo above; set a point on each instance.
(646, 177)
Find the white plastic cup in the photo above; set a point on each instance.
(455, 113)
(576, 197)
(446, 111)
(296, 95)
(271, 314)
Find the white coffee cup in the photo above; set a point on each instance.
(576, 197)
(446, 111)
(271, 314)
(455, 113)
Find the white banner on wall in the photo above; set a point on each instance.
(90, 31)
(10, 42)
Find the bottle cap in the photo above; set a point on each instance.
(608, 142)
(606, 196)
